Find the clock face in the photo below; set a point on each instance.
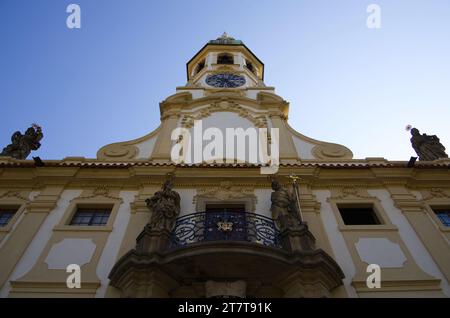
(226, 80)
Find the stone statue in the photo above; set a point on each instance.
(427, 147)
(165, 205)
(22, 145)
(284, 207)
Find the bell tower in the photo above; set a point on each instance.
(225, 64)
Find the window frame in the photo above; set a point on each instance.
(252, 69)
(91, 203)
(430, 209)
(385, 223)
(202, 202)
(445, 211)
(20, 205)
(225, 54)
(93, 211)
(376, 215)
(197, 70)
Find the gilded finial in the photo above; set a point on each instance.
(294, 177)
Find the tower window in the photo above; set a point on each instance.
(225, 58)
(200, 66)
(6, 215)
(91, 217)
(359, 215)
(444, 215)
(250, 66)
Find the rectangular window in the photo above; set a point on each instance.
(359, 215)
(443, 214)
(91, 216)
(6, 215)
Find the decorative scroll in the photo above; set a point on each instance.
(118, 151)
(331, 151)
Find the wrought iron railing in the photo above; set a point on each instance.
(225, 226)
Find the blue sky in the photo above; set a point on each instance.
(345, 83)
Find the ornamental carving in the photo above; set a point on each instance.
(226, 191)
(331, 151)
(118, 151)
(436, 193)
(100, 191)
(351, 192)
(258, 120)
(13, 194)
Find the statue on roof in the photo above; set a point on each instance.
(428, 148)
(22, 145)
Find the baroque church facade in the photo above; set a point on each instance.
(138, 223)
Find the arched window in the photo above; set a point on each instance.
(250, 66)
(200, 66)
(225, 58)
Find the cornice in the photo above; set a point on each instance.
(22, 174)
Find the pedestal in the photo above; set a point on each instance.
(152, 240)
(298, 238)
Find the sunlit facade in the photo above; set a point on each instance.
(357, 214)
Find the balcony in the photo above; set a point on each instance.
(223, 249)
(224, 226)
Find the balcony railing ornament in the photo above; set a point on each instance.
(225, 226)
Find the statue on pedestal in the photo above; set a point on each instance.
(165, 205)
(22, 145)
(428, 148)
(284, 208)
